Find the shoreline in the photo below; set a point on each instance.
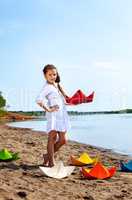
(94, 146)
(23, 177)
(81, 143)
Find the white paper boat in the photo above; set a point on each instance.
(58, 170)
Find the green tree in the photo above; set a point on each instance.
(2, 101)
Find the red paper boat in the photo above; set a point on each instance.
(98, 172)
(79, 98)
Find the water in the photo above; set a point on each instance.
(113, 131)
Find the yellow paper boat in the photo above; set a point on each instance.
(84, 159)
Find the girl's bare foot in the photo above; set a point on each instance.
(46, 160)
(51, 165)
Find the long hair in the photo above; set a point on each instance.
(50, 67)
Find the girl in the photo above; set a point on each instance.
(56, 114)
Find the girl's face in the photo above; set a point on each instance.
(51, 75)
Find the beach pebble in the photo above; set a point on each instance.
(22, 194)
(88, 198)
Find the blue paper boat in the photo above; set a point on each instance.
(126, 166)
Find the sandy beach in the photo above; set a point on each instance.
(22, 179)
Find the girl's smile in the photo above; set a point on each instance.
(51, 75)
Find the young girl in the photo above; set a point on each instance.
(56, 114)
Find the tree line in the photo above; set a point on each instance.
(2, 101)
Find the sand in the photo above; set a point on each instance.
(22, 179)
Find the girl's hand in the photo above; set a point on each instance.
(53, 108)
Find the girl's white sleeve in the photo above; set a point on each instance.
(42, 95)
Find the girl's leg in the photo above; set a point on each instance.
(46, 159)
(50, 147)
(60, 142)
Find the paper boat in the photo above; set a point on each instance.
(5, 155)
(84, 159)
(126, 167)
(58, 170)
(79, 98)
(99, 171)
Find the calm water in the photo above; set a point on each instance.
(109, 131)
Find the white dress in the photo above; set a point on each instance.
(57, 120)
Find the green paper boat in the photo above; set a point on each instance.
(6, 155)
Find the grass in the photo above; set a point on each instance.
(2, 113)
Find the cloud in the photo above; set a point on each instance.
(80, 66)
(105, 65)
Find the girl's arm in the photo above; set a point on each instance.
(43, 106)
(40, 100)
(46, 108)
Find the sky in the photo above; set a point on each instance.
(89, 41)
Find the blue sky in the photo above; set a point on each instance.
(89, 41)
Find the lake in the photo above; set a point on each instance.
(111, 131)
